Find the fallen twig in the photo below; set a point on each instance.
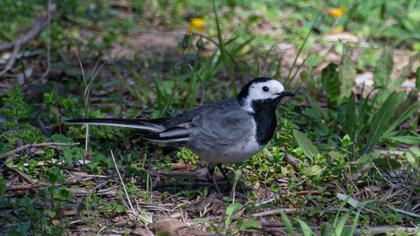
(176, 185)
(403, 212)
(200, 174)
(50, 162)
(305, 192)
(274, 212)
(24, 188)
(18, 44)
(83, 174)
(291, 159)
(12, 60)
(22, 175)
(122, 183)
(386, 230)
(156, 208)
(29, 146)
(138, 214)
(82, 191)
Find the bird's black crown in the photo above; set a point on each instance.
(245, 90)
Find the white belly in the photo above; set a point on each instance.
(231, 154)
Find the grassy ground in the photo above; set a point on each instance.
(344, 159)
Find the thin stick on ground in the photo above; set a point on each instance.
(24, 188)
(12, 60)
(122, 183)
(290, 159)
(140, 214)
(29, 146)
(22, 175)
(274, 212)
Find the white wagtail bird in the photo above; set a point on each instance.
(218, 133)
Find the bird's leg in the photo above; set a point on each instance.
(229, 184)
(210, 169)
(223, 170)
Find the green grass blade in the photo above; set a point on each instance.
(159, 94)
(307, 231)
(305, 144)
(339, 227)
(242, 45)
(407, 139)
(324, 230)
(350, 116)
(288, 78)
(321, 112)
(232, 40)
(381, 119)
(287, 223)
(336, 218)
(383, 68)
(363, 112)
(404, 116)
(354, 225)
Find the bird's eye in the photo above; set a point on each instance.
(265, 89)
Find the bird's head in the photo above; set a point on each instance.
(265, 90)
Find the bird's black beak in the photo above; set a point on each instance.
(286, 94)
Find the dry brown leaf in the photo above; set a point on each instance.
(175, 227)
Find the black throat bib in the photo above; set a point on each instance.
(265, 118)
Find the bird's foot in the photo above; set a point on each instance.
(212, 176)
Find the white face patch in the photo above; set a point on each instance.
(263, 90)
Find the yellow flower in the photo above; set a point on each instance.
(336, 12)
(196, 23)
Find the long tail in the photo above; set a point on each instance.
(150, 126)
(172, 135)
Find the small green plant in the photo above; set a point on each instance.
(187, 156)
(231, 210)
(14, 107)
